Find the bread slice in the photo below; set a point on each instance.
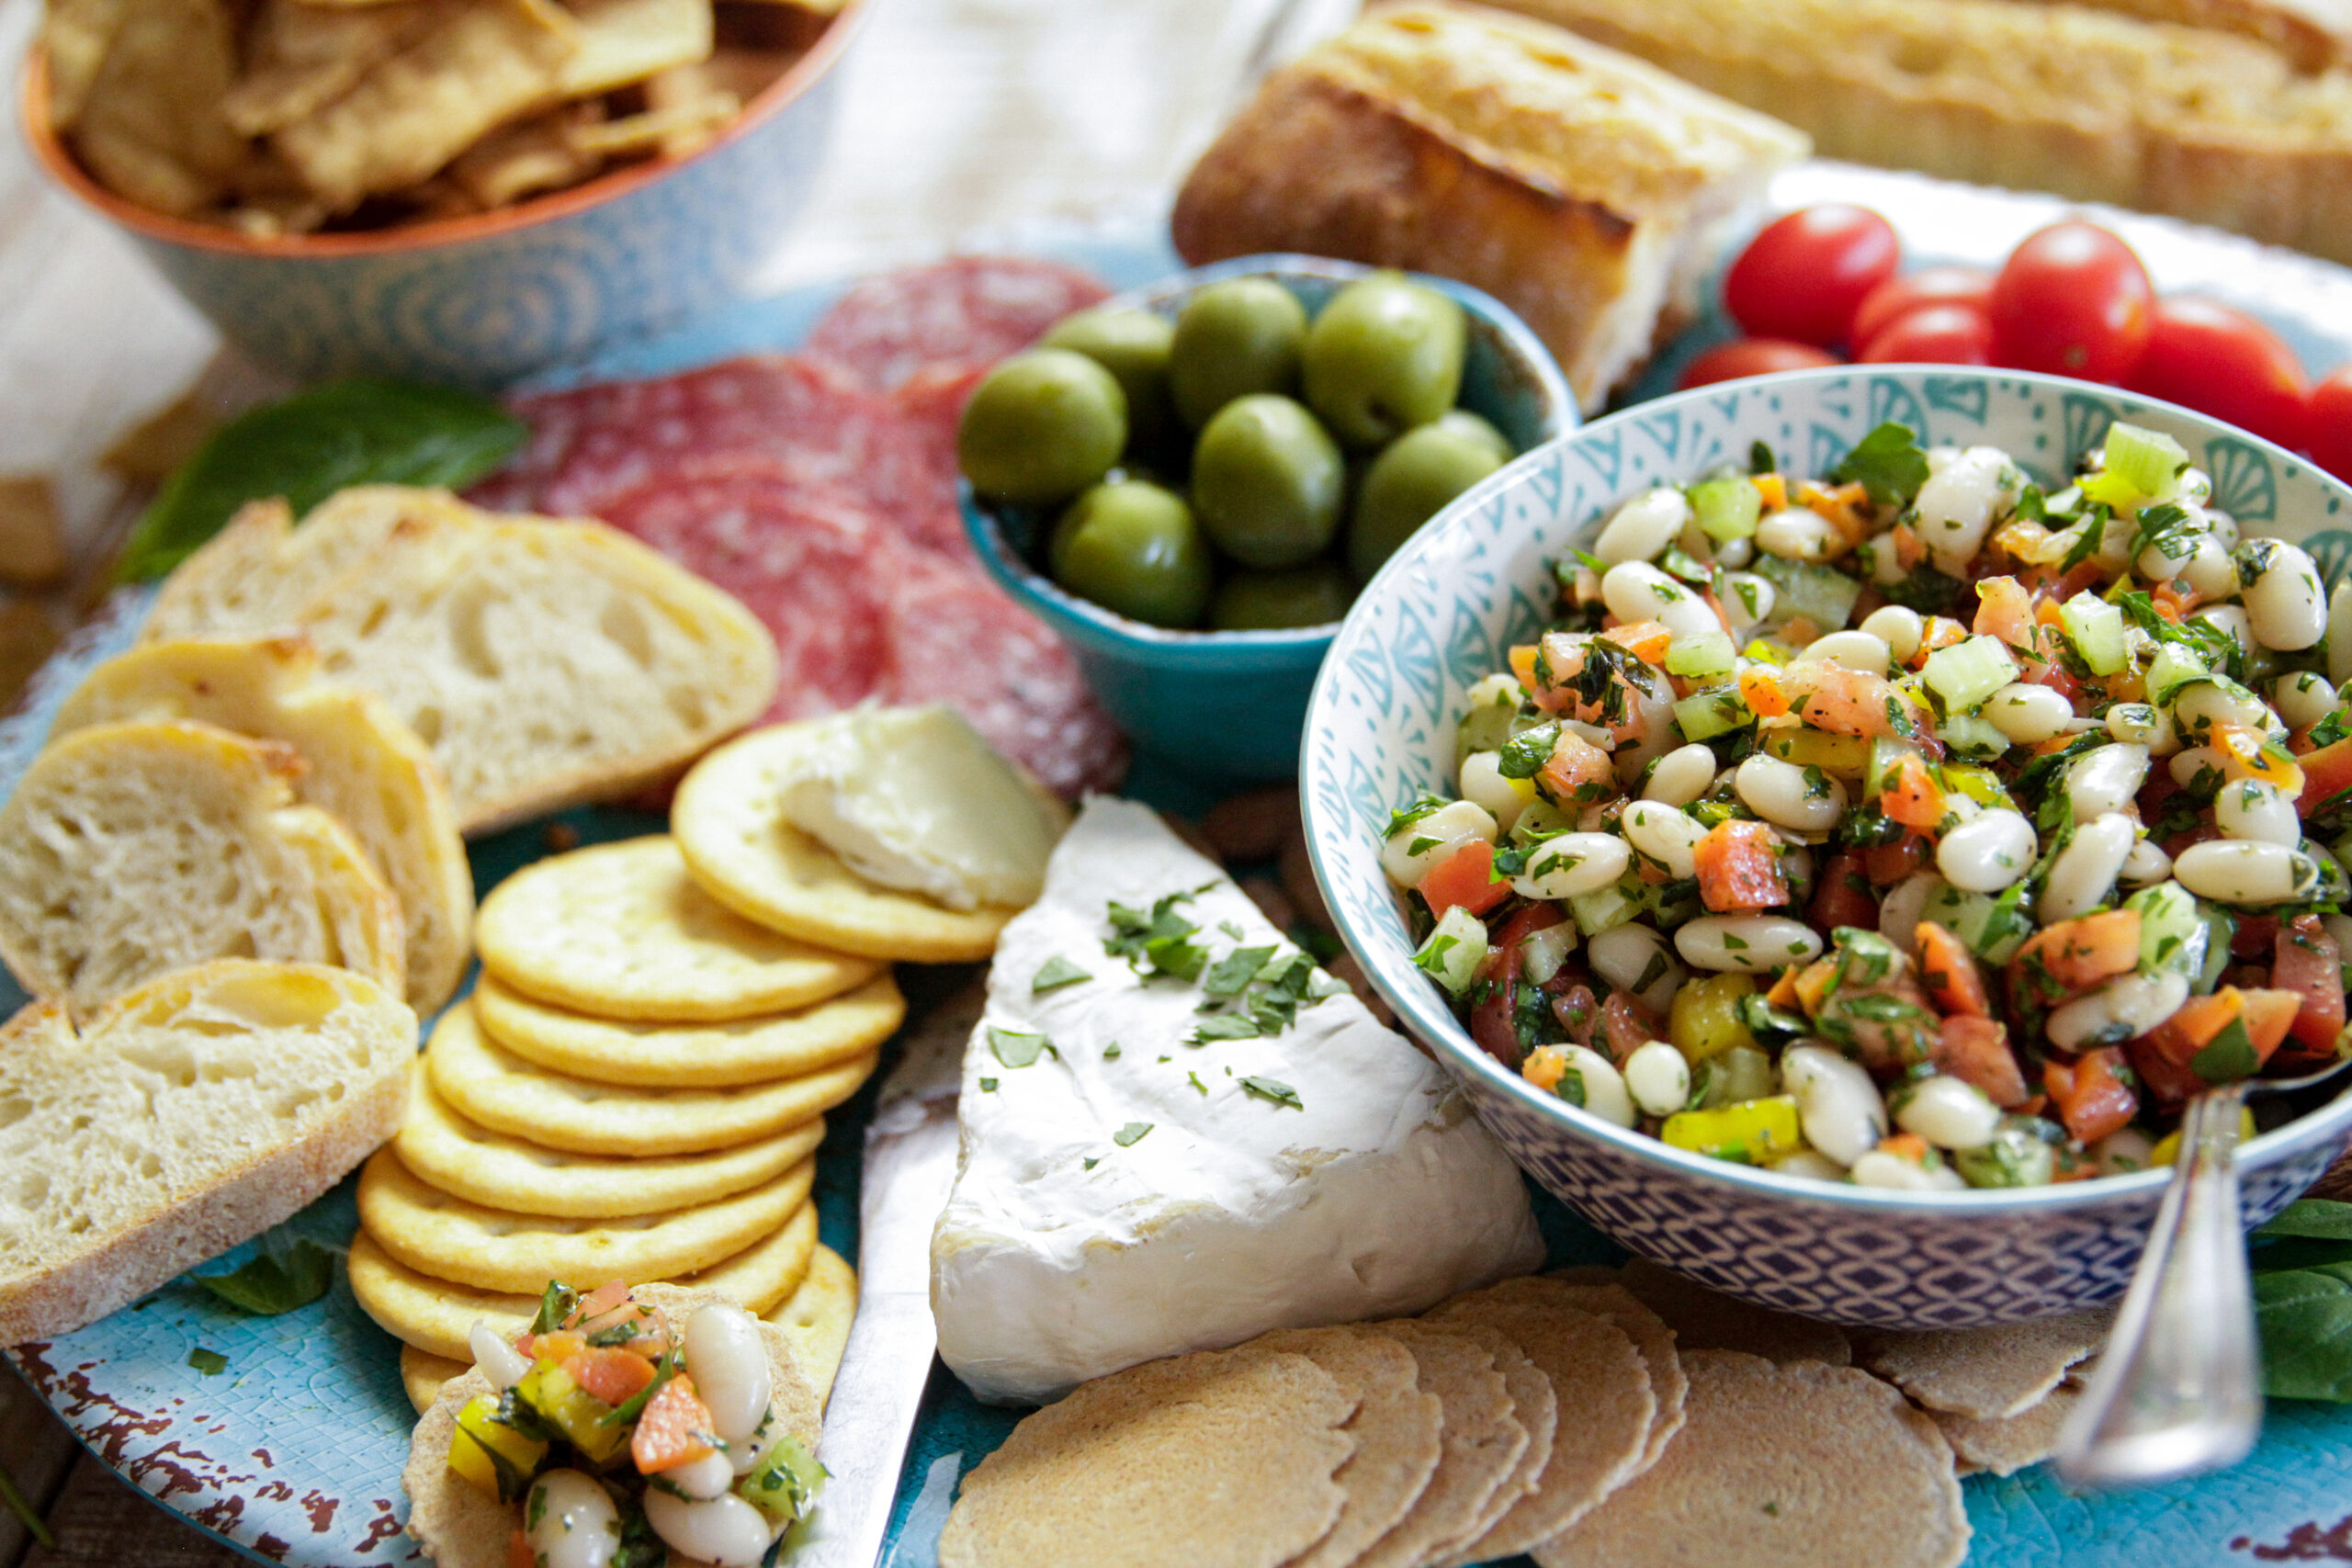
(544, 662)
(194, 1112)
(363, 767)
(1585, 189)
(2313, 34)
(131, 850)
(2202, 124)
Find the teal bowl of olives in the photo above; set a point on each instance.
(1190, 482)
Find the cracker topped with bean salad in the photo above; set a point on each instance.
(1913, 826)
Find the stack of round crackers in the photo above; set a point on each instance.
(635, 1090)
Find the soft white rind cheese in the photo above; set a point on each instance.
(1233, 1215)
(913, 798)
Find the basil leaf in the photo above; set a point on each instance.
(1273, 1089)
(274, 1284)
(1131, 1134)
(2320, 1218)
(212, 1363)
(313, 445)
(2306, 1320)
(1887, 463)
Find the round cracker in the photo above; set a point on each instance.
(1397, 1427)
(423, 1375)
(2006, 1444)
(691, 1056)
(492, 1086)
(1984, 1374)
(729, 820)
(1220, 1456)
(1799, 1465)
(501, 1250)
(620, 931)
(1534, 1406)
(1704, 1319)
(436, 1315)
(499, 1170)
(1606, 1299)
(817, 1316)
(1479, 1445)
(459, 1525)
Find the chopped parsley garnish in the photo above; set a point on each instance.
(1131, 1134)
(1155, 943)
(1018, 1048)
(1272, 1090)
(209, 1362)
(988, 1086)
(1196, 1083)
(1110, 1052)
(1230, 975)
(1887, 463)
(1523, 755)
(274, 1283)
(1091, 1162)
(1223, 1026)
(1761, 459)
(1056, 973)
(1400, 820)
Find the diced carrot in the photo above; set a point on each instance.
(1974, 1049)
(613, 1376)
(1887, 864)
(2250, 754)
(558, 1347)
(2269, 1014)
(1739, 868)
(2194, 1024)
(1814, 982)
(1840, 507)
(2078, 954)
(1940, 631)
(1915, 800)
(2174, 600)
(1522, 664)
(672, 1430)
(2307, 960)
(1774, 489)
(1577, 765)
(518, 1551)
(2091, 1099)
(1545, 1067)
(1953, 981)
(1843, 896)
(1909, 550)
(1645, 640)
(1783, 991)
(1465, 878)
(1905, 1146)
(1761, 692)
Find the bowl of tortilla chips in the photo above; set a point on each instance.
(458, 191)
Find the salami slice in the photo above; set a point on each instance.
(930, 404)
(964, 314)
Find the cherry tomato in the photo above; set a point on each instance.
(2328, 433)
(1929, 286)
(1752, 356)
(1804, 274)
(1932, 334)
(2072, 300)
(2225, 363)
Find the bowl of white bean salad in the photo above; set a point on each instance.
(1831, 823)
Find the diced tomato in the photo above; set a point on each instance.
(2090, 1098)
(1578, 1013)
(1626, 1025)
(1493, 1022)
(2005, 610)
(672, 1430)
(2327, 773)
(1645, 640)
(1576, 764)
(2309, 962)
(2194, 1024)
(1915, 800)
(558, 1347)
(1854, 701)
(1843, 896)
(2269, 1014)
(1890, 864)
(2256, 937)
(518, 1551)
(2079, 953)
(2169, 1082)
(1739, 868)
(1813, 982)
(604, 1298)
(1940, 631)
(1976, 1050)
(1953, 981)
(613, 1376)
(1465, 878)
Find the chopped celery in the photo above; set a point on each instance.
(1605, 910)
(1751, 1132)
(2141, 465)
(1971, 735)
(2173, 668)
(1887, 757)
(1718, 710)
(1486, 727)
(784, 1484)
(1978, 921)
(1539, 821)
(2221, 929)
(1967, 673)
(2095, 628)
(1705, 655)
(1822, 594)
(1727, 508)
(1455, 950)
(2173, 934)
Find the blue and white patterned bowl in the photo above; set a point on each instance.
(482, 301)
(1444, 611)
(1230, 705)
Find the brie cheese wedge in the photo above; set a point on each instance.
(913, 798)
(1124, 1193)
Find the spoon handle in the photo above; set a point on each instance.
(2178, 1390)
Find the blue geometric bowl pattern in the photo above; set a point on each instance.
(1445, 610)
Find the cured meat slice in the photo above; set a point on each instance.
(963, 314)
(954, 637)
(931, 404)
(803, 557)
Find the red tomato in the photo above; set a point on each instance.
(1804, 275)
(1752, 356)
(1932, 334)
(2072, 300)
(1465, 878)
(2225, 363)
(1929, 286)
(2329, 426)
(2308, 964)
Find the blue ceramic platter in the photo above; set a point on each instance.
(293, 1452)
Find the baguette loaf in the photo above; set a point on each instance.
(1583, 188)
(362, 766)
(193, 1113)
(2313, 34)
(2200, 124)
(131, 850)
(544, 662)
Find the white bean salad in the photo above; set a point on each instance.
(1911, 827)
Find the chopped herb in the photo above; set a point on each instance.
(212, 1363)
(988, 1086)
(1887, 463)
(1761, 459)
(1230, 929)
(2167, 527)
(555, 1304)
(1091, 1162)
(1131, 1134)
(1195, 1080)
(1110, 1052)
(1273, 1089)
(1523, 755)
(1056, 973)
(1422, 846)
(1590, 562)
(1398, 820)
(1223, 1026)
(1018, 1048)
(1231, 975)
(1155, 943)
(276, 1283)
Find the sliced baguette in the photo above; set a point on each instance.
(363, 767)
(544, 662)
(193, 1113)
(131, 850)
(2314, 34)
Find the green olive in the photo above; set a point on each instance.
(1134, 547)
(1041, 427)
(1406, 486)
(1267, 481)
(1133, 346)
(1232, 338)
(1265, 601)
(1385, 355)
(1468, 425)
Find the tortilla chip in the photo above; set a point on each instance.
(1704, 1319)
(528, 157)
(690, 123)
(150, 125)
(1397, 1428)
(301, 57)
(2009, 1444)
(1222, 1456)
(1794, 1466)
(76, 34)
(1984, 1374)
(480, 67)
(624, 42)
(1478, 1446)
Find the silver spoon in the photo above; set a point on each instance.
(2178, 1388)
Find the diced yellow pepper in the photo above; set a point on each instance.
(2168, 1147)
(1980, 784)
(1752, 1132)
(1808, 747)
(572, 1411)
(493, 1457)
(1705, 1019)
